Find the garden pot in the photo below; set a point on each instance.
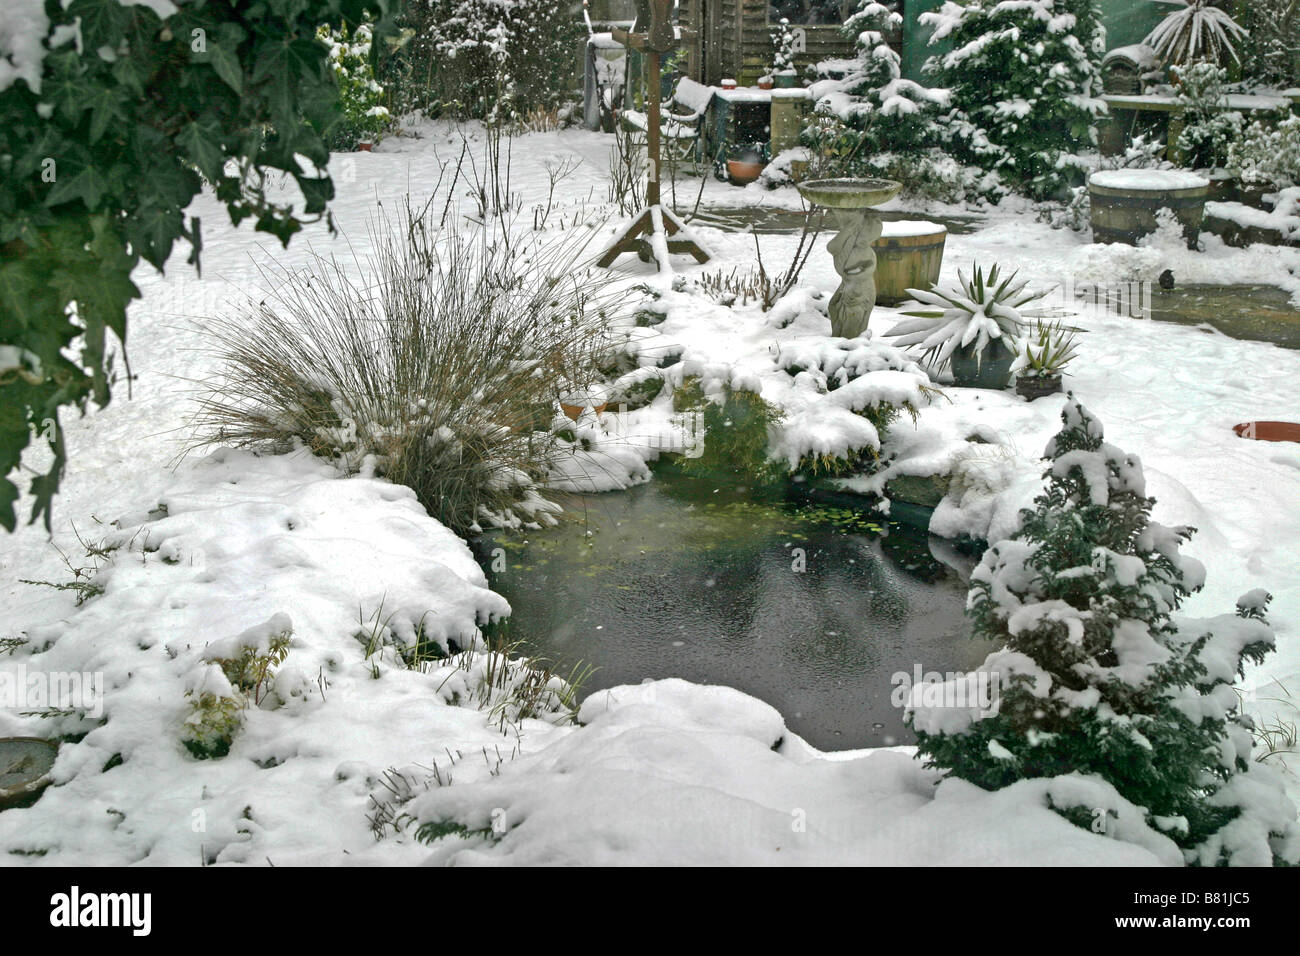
(764, 82)
(25, 764)
(992, 369)
(742, 172)
(1269, 431)
(574, 412)
(1125, 202)
(1035, 387)
(787, 81)
(909, 255)
(728, 84)
(365, 146)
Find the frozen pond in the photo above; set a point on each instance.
(808, 607)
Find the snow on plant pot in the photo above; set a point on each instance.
(1046, 351)
(764, 82)
(1126, 204)
(975, 328)
(575, 400)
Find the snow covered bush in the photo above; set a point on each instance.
(1210, 128)
(871, 110)
(1025, 82)
(469, 57)
(1096, 676)
(436, 365)
(1271, 53)
(361, 98)
(1267, 154)
(783, 49)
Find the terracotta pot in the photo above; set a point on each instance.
(728, 84)
(365, 146)
(575, 411)
(765, 83)
(743, 172)
(1269, 431)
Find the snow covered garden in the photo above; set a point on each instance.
(946, 513)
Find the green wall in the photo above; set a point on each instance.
(1126, 21)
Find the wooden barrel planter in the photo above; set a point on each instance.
(1125, 203)
(908, 256)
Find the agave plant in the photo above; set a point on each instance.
(1047, 350)
(981, 310)
(1196, 30)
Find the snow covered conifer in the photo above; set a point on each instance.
(1025, 77)
(1098, 677)
(893, 113)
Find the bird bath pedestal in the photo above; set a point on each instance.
(850, 201)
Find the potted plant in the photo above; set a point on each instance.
(1045, 353)
(764, 82)
(975, 327)
(745, 163)
(784, 74)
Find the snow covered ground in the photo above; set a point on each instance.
(659, 772)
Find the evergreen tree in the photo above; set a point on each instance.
(1025, 78)
(1098, 678)
(890, 112)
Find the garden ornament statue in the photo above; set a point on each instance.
(850, 200)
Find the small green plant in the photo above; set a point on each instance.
(241, 670)
(1210, 127)
(979, 311)
(363, 115)
(212, 723)
(1048, 348)
(736, 433)
(252, 670)
(10, 644)
(86, 582)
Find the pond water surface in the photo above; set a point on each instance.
(811, 608)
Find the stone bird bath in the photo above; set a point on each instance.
(850, 202)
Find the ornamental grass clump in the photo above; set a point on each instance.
(434, 363)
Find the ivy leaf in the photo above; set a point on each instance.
(225, 63)
(86, 184)
(201, 141)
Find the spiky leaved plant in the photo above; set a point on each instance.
(1098, 678)
(979, 311)
(1047, 349)
(1196, 30)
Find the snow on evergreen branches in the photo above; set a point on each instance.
(1097, 675)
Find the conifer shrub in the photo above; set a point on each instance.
(1098, 677)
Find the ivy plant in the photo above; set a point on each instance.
(100, 157)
